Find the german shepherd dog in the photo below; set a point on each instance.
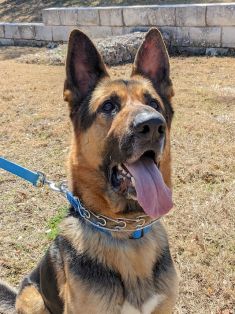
(120, 170)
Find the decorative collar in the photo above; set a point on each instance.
(138, 226)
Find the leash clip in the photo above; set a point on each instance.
(53, 186)
(57, 187)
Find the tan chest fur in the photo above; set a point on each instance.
(133, 262)
(88, 302)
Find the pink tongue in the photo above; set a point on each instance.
(153, 195)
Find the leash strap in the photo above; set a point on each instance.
(24, 173)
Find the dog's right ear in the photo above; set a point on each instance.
(84, 68)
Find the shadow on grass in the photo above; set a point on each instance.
(31, 10)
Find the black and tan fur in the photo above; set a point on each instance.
(84, 270)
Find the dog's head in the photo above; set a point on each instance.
(121, 129)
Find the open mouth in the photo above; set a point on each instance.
(123, 181)
(142, 181)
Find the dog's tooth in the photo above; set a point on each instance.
(124, 170)
(119, 167)
(132, 181)
(128, 175)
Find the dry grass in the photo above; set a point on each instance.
(30, 10)
(34, 130)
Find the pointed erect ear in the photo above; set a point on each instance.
(152, 61)
(84, 68)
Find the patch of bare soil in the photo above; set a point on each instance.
(35, 132)
(11, 52)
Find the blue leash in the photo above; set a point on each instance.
(30, 176)
(38, 179)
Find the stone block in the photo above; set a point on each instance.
(6, 42)
(28, 43)
(205, 36)
(97, 31)
(191, 51)
(161, 16)
(51, 16)
(68, 16)
(111, 17)
(61, 33)
(213, 52)
(181, 37)
(173, 35)
(133, 16)
(221, 14)
(12, 30)
(228, 37)
(26, 30)
(191, 15)
(2, 32)
(43, 32)
(150, 16)
(88, 16)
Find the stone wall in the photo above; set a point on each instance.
(185, 26)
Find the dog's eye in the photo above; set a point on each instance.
(109, 107)
(154, 103)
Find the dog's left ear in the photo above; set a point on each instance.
(152, 62)
(84, 68)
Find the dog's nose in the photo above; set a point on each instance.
(150, 126)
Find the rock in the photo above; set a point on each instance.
(122, 49)
(119, 49)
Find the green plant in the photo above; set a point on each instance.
(54, 222)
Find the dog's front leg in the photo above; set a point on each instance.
(30, 301)
(166, 307)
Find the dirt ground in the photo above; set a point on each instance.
(35, 132)
(31, 10)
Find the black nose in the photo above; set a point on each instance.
(150, 126)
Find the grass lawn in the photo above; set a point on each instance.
(30, 10)
(35, 132)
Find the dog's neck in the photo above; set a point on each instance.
(115, 252)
